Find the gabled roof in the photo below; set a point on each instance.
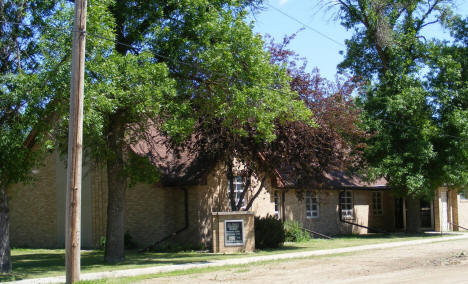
(177, 166)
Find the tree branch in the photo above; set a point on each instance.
(251, 201)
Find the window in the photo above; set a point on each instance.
(463, 195)
(238, 189)
(377, 205)
(312, 205)
(277, 200)
(346, 204)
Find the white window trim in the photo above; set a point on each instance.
(309, 203)
(277, 204)
(237, 192)
(375, 210)
(349, 212)
(463, 195)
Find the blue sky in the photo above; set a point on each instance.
(318, 50)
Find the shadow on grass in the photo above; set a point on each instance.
(32, 265)
(39, 263)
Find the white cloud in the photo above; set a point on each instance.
(282, 2)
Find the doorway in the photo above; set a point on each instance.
(399, 221)
(426, 214)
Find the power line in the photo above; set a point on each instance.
(306, 25)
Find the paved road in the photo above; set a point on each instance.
(444, 262)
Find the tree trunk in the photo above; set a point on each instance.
(251, 201)
(5, 257)
(117, 185)
(413, 220)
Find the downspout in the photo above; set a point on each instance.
(186, 225)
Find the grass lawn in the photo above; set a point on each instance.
(36, 263)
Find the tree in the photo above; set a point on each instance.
(34, 86)
(447, 88)
(173, 62)
(301, 150)
(401, 105)
(24, 111)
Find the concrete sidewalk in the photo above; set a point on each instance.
(237, 261)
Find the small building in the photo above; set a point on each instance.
(181, 203)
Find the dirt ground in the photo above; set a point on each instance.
(444, 262)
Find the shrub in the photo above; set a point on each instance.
(294, 233)
(128, 241)
(102, 243)
(269, 232)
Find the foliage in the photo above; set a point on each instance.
(102, 242)
(34, 71)
(415, 97)
(294, 233)
(305, 150)
(175, 63)
(269, 232)
(128, 241)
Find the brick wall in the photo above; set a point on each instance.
(328, 221)
(154, 212)
(33, 209)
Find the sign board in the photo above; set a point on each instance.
(233, 232)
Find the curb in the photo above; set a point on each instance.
(236, 261)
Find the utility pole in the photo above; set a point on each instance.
(75, 147)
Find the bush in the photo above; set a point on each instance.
(269, 232)
(128, 241)
(102, 243)
(294, 233)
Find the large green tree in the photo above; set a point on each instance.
(174, 63)
(148, 63)
(34, 89)
(415, 101)
(24, 108)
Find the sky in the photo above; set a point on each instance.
(320, 51)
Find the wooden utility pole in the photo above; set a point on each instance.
(75, 141)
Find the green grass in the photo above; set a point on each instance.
(36, 263)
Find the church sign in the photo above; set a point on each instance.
(233, 232)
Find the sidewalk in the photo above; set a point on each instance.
(239, 261)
